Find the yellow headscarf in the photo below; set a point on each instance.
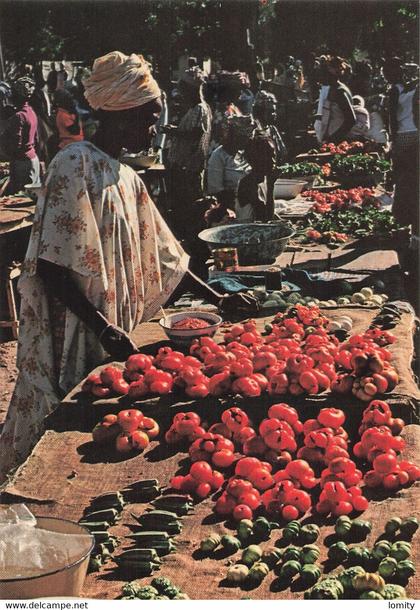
(120, 82)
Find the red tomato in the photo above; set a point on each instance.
(203, 490)
(189, 484)
(202, 472)
(342, 464)
(138, 362)
(261, 380)
(221, 429)
(176, 482)
(123, 443)
(150, 427)
(261, 479)
(241, 511)
(100, 391)
(225, 505)
(360, 503)
(331, 418)
(284, 412)
(246, 465)
(185, 423)
(244, 434)
(391, 481)
(110, 374)
(120, 386)
(250, 499)
(235, 419)
(299, 498)
(139, 440)
(372, 479)
(299, 469)
(106, 432)
(217, 480)
(263, 360)
(129, 419)
(246, 386)
(172, 437)
(289, 512)
(309, 382)
(236, 487)
(138, 389)
(342, 508)
(201, 390)
(223, 458)
(160, 387)
(384, 463)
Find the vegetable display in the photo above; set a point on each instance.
(341, 199)
(340, 224)
(358, 165)
(305, 168)
(128, 431)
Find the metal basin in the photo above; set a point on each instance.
(257, 243)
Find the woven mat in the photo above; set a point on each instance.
(64, 491)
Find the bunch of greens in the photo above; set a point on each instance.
(358, 165)
(358, 222)
(290, 170)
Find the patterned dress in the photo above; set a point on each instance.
(96, 219)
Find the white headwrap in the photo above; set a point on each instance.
(120, 82)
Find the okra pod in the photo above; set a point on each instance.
(110, 515)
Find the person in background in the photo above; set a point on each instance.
(62, 76)
(403, 123)
(337, 116)
(362, 125)
(67, 120)
(255, 199)
(246, 100)
(229, 89)
(52, 79)
(19, 139)
(41, 104)
(188, 152)
(100, 258)
(362, 78)
(227, 165)
(265, 115)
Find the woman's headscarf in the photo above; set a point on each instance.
(24, 87)
(120, 82)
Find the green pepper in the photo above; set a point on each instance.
(272, 556)
(291, 531)
(347, 575)
(231, 544)
(309, 533)
(387, 567)
(343, 526)
(251, 554)
(329, 588)
(245, 529)
(309, 553)
(370, 595)
(381, 549)
(292, 553)
(405, 569)
(409, 526)
(338, 552)
(400, 550)
(310, 574)
(393, 592)
(357, 556)
(262, 528)
(360, 529)
(392, 526)
(289, 569)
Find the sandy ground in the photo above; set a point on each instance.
(8, 373)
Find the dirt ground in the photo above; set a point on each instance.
(8, 373)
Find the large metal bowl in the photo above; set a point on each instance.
(65, 581)
(257, 243)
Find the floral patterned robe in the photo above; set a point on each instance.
(95, 218)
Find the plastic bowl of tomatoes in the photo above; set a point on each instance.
(185, 326)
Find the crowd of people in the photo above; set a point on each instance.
(101, 257)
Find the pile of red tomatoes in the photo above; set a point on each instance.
(298, 357)
(341, 199)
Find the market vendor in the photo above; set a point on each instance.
(188, 153)
(337, 113)
(227, 165)
(100, 258)
(255, 197)
(19, 138)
